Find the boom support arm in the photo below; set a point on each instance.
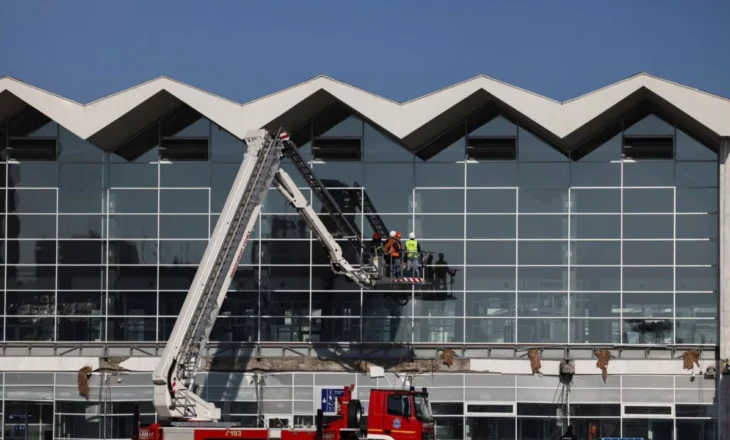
(175, 396)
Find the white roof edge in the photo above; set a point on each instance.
(400, 119)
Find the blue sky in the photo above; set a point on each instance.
(244, 49)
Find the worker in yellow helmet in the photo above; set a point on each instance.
(413, 256)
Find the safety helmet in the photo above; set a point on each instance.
(412, 235)
(397, 235)
(376, 236)
(392, 234)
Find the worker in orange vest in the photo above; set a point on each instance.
(397, 255)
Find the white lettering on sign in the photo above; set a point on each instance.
(240, 254)
(234, 433)
(146, 434)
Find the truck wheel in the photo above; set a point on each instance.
(354, 414)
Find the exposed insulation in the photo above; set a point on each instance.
(691, 358)
(535, 364)
(604, 356)
(83, 381)
(447, 357)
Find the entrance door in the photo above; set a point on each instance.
(28, 420)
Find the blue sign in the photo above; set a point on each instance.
(396, 423)
(329, 399)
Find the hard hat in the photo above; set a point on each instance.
(376, 236)
(397, 235)
(412, 235)
(392, 234)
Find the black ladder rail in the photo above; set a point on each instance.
(375, 220)
(350, 231)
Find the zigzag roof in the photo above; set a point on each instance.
(153, 99)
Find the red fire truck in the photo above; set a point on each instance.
(392, 415)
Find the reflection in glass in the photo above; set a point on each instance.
(595, 331)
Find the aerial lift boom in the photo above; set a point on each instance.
(175, 396)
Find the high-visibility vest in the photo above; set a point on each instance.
(396, 248)
(388, 248)
(412, 248)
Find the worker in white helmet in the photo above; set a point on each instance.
(388, 253)
(413, 256)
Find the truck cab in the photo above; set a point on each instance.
(393, 414)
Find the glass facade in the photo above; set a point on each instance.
(465, 406)
(581, 247)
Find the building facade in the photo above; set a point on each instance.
(572, 227)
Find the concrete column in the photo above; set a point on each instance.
(723, 381)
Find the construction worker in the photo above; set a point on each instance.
(388, 254)
(376, 250)
(397, 254)
(413, 256)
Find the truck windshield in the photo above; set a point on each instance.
(423, 410)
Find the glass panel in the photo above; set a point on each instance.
(595, 174)
(594, 305)
(609, 151)
(81, 201)
(453, 250)
(544, 175)
(649, 200)
(542, 278)
(133, 175)
(491, 174)
(596, 278)
(490, 252)
(542, 252)
(185, 175)
(31, 226)
(543, 226)
(648, 226)
(696, 305)
(82, 252)
(697, 226)
(490, 304)
(132, 303)
(649, 173)
(489, 278)
(439, 226)
(696, 331)
(452, 153)
(438, 201)
(697, 200)
(697, 252)
(648, 252)
(225, 147)
(184, 226)
(650, 125)
(543, 200)
(32, 201)
(697, 278)
(533, 149)
(440, 175)
(81, 176)
(697, 174)
(380, 148)
(132, 226)
(491, 201)
(593, 201)
(496, 331)
(552, 331)
(189, 252)
(33, 175)
(638, 331)
(491, 226)
(133, 201)
(595, 253)
(131, 329)
(183, 201)
(497, 127)
(595, 331)
(542, 304)
(595, 226)
(688, 148)
(648, 278)
(648, 305)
